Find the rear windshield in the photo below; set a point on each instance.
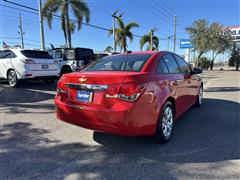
(130, 62)
(36, 54)
(84, 54)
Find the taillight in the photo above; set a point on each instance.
(62, 89)
(55, 62)
(128, 91)
(28, 61)
(112, 91)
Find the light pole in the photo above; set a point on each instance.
(41, 25)
(168, 39)
(114, 15)
(21, 31)
(174, 32)
(151, 37)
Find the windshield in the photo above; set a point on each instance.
(36, 54)
(130, 62)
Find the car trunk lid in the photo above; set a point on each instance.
(93, 85)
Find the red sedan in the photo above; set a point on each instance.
(140, 93)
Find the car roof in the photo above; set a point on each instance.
(140, 52)
(70, 48)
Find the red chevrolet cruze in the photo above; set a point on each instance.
(139, 93)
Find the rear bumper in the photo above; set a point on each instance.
(127, 121)
(39, 74)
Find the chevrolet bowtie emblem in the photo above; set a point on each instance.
(82, 79)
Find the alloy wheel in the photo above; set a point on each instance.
(167, 122)
(12, 78)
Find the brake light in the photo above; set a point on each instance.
(112, 91)
(28, 61)
(55, 62)
(62, 89)
(128, 91)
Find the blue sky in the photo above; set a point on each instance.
(149, 14)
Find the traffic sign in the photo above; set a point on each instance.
(185, 44)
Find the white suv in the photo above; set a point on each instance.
(17, 64)
(70, 59)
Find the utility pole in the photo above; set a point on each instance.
(114, 15)
(41, 25)
(174, 33)
(168, 39)
(21, 31)
(151, 37)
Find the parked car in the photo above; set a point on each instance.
(71, 58)
(130, 94)
(99, 55)
(17, 64)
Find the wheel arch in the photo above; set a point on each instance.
(172, 100)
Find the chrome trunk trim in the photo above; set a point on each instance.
(97, 87)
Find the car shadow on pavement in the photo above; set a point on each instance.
(27, 93)
(202, 135)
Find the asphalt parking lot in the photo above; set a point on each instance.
(205, 144)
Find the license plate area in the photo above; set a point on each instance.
(45, 67)
(84, 96)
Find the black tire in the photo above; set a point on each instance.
(200, 97)
(66, 69)
(160, 135)
(12, 79)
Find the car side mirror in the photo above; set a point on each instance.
(196, 70)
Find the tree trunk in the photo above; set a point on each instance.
(211, 65)
(68, 29)
(213, 58)
(69, 39)
(198, 58)
(237, 67)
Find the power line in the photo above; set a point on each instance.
(54, 15)
(108, 13)
(148, 9)
(35, 11)
(170, 10)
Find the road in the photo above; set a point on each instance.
(205, 144)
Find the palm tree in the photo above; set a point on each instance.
(79, 9)
(146, 38)
(122, 33)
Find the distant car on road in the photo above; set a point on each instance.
(71, 58)
(130, 94)
(17, 64)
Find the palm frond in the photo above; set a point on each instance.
(120, 23)
(80, 11)
(144, 39)
(131, 25)
(50, 7)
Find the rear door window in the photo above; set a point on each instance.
(7, 54)
(36, 54)
(161, 67)
(58, 54)
(171, 64)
